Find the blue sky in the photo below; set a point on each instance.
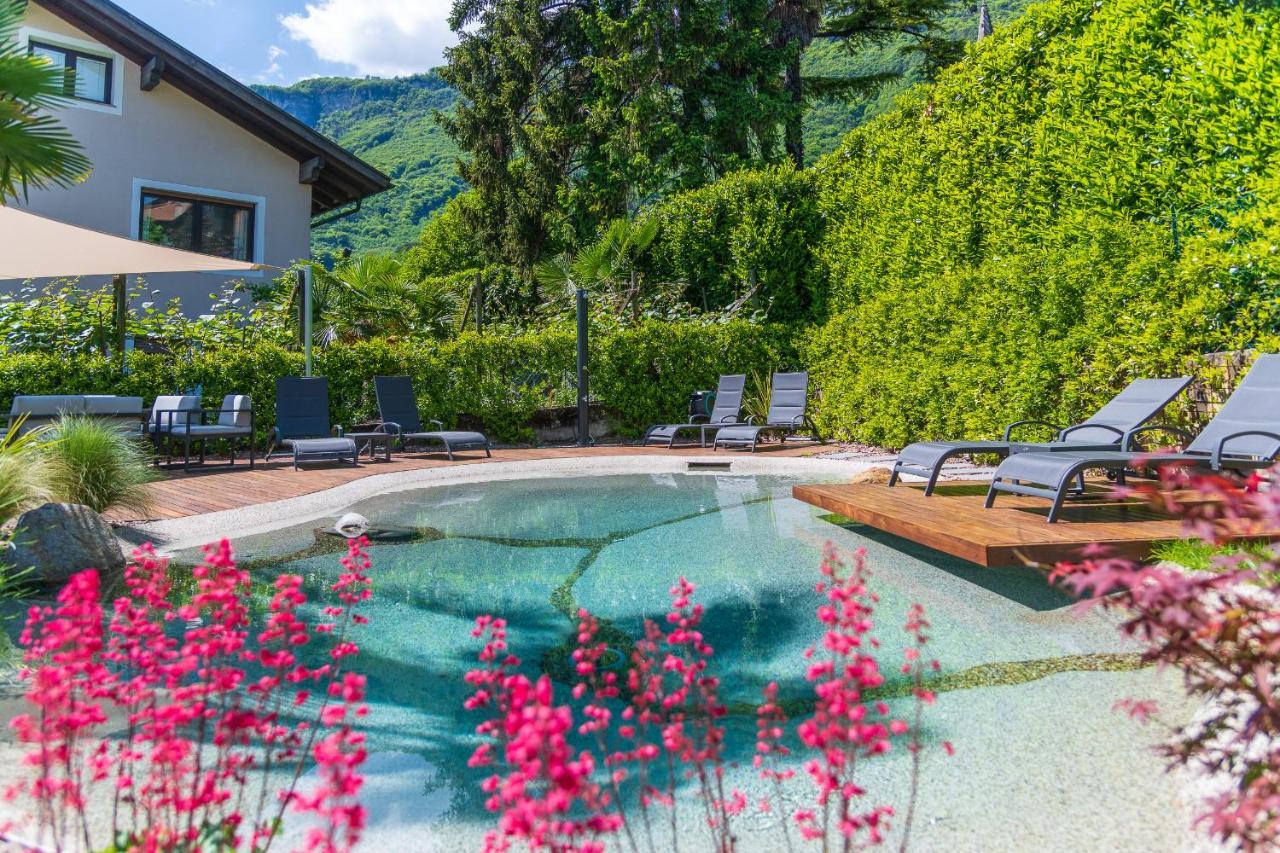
(281, 41)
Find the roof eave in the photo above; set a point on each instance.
(344, 178)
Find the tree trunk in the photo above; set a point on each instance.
(793, 84)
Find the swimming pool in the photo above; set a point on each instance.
(1027, 682)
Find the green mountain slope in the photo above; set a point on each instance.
(389, 123)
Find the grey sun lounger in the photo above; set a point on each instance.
(398, 409)
(725, 411)
(1140, 401)
(302, 422)
(1243, 436)
(788, 407)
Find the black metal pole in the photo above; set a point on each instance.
(584, 392)
(120, 306)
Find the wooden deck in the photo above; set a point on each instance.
(1012, 532)
(180, 495)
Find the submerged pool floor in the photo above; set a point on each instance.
(1026, 687)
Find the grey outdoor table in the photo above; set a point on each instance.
(372, 441)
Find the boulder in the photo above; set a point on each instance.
(58, 540)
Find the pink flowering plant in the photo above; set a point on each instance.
(212, 722)
(1221, 629)
(658, 728)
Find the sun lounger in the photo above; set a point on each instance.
(398, 410)
(724, 411)
(1243, 436)
(788, 405)
(1140, 401)
(302, 422)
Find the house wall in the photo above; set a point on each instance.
(166, 140)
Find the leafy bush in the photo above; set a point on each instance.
(756, 226)
(1090, 197)
(643, 374)
(98, 464)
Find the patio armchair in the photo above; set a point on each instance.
(1139, 402)
(302, 423)
(788, 413)
(1243, 436)
(725, 410)
(233, 423)
(398, 412)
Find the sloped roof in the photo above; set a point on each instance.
(343, 177)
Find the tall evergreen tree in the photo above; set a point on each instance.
(574, 111)
(856, 24)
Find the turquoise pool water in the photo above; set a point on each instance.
(1030, 680)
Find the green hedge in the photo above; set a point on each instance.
(762, 223)
(1091, 196)
(642, 375)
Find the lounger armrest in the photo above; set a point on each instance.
(337, 431)
(699, 419)
(391, 428)
(439, 424)
(1120, 434)
(1008, 431)
(751, 419)
(1127, 444)
(1216, 461)
(728, 419)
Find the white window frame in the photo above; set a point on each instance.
(28, 34)
(259, 216)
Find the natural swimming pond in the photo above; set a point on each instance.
(1025, 692)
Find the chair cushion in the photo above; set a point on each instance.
(451, 437)
(738, 434)
(322, 446)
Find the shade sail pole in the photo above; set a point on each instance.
(306, 319)
(120, 304)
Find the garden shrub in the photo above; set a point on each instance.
(754, 222)
(98, 464)
(1089, 197)
(642, 374)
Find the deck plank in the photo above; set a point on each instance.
(1012, 532)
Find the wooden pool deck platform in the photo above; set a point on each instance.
(1013, 532)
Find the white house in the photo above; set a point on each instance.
(183, 155)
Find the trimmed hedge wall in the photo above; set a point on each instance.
(642, 375)
(1092, 195)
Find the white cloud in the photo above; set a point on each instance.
(385, 38)
(274, 52)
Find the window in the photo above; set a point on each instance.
(211, 226)
(90, 75)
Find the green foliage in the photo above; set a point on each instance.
(392, 125)
(24, 478)
(1000, 245)
(642, 374)
(374, 295)
(35, 149)
(572, 114)
(751, 226)
(64, 317)
(98, 464)
(608, 268)
(447, 244)
(645, 373)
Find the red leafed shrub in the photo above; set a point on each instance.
(1221, 629)
(660, 725)
(210, 712)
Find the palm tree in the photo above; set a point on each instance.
(607, 267)
(371, 296)
(35, 150)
